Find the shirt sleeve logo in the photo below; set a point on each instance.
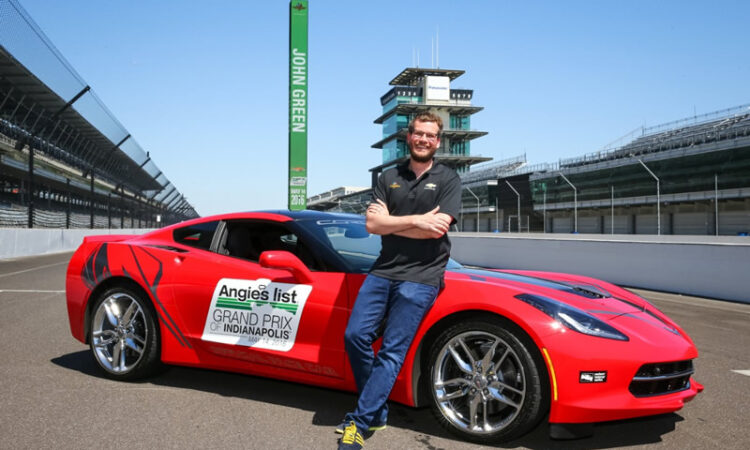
(430, 186)
(394, 185)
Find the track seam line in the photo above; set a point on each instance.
(33, 291)
(32, 269)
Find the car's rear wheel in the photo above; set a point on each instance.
(124, 336)
(485, 384)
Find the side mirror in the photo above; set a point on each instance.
(356, 233)
(279, 259)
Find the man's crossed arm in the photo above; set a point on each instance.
(430, 225)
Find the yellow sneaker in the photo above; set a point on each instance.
(352, 439)
(342, 426)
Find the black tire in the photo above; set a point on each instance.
(124, 334)
(485, 384)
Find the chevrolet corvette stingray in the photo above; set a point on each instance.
(269, 294)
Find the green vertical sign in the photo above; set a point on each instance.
(298, 105)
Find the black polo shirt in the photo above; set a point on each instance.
(419, 260)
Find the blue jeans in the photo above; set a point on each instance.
(402, 304)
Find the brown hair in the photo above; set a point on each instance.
(427, 116)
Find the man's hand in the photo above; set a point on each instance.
(379, 207)
(434, 222)
(430, 225)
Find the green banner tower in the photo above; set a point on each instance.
(298, 105)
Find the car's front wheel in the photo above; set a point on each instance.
(124, 334)
(485, 384)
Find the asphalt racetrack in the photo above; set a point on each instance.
(54, 396)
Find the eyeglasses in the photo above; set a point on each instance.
(423, 135)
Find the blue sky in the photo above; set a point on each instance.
(202, 86)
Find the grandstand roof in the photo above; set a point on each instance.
(120, 168)
(334, 194)
(492, 171)
(335, 197)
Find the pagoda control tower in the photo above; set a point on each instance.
(417, 90)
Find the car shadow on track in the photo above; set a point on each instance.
(329, 406)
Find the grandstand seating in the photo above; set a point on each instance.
(681, 137)
(494, 170)
(13, 216)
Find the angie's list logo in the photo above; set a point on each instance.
(255, 313)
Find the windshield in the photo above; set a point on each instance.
(350, 239)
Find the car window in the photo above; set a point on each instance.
(197, 235)
(249, 239)
(351, 241)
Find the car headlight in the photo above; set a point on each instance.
(573, 318)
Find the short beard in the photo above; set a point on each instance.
(421, 159)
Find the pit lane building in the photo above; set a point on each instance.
(415, 90)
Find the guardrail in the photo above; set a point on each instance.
(706, 266)
(20, 242)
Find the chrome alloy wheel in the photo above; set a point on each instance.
(119, 333)
(478, 382)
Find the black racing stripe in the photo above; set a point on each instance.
(169, 327)
(88, 271)
(157, 280)
(96, 268)
(101, 264)
(588, 291)
(633, 304)
(656, 322)
(176, 332)
(163, 314)
(166, 324)
(525, 279)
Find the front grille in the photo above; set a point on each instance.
(662, 378)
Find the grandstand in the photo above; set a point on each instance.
(343, 199)
(478, 182)
(728, 124)
(702, 165)
(495, 195)
(65, 159)
(492, 171)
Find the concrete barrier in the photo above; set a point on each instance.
(706, 266)
(19, 242)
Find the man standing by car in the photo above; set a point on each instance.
(414, 205)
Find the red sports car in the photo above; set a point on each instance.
(269, 294)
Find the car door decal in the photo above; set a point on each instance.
(152, 287)
(256, 313)
(96, 268)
